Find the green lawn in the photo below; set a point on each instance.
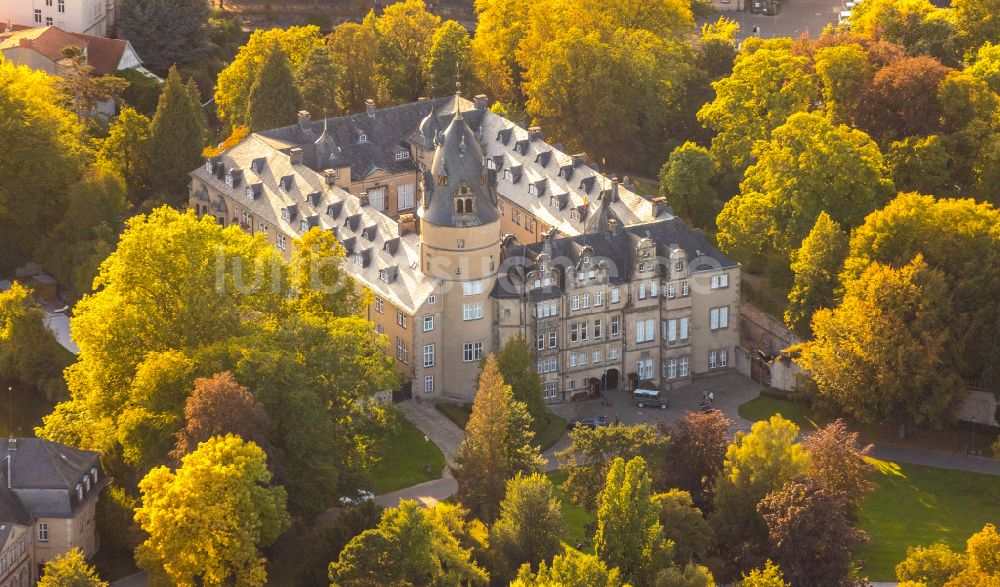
(402, 459)
(547, 433)
(763, 407)
(917, 505)
(575, 517)
(913, 505)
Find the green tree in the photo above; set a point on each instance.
(516, 361)
(808, 166)
(43, 156)
(920, 164)
(220, 491)
(28, 351)
(862, 358)
(318, 81)
(70, 570)
(684, 525)
(410, 546)
(932, 566)
(757, 463)
(588, 458)
(958, 238)
(529, 528)
(125, 151)
(843, 72)
(497, 445)
(982, 556)
(686, 181)
(978, 22)
(355, 49)
(570, 569)
(176, 136)
(629, 535)
(915, 24)
(449, 59)
(317, 275)
(274, 100)
(690, 575)
(236, 80)
(717, 47)
(767, 85)
(986, 66)
(695, 454)
(768, 576)
(81, 86)
(406, 36)
(812, 532)
(816, 265)
(165, 32)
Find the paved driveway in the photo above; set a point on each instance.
(795, 18)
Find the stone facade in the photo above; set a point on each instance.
(445, 278)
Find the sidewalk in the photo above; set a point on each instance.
(442, 431)
(938, 459)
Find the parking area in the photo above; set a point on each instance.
(730, 391)
(795, 18)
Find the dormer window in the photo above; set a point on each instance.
(93, 473)
(463, 205)
(532, 189)
(229, 179)
(508, 175)
(490, 163)
(362, 138)
(209, 166)
(678, 266)
(402, 155)
(79, 492)
(359, 259)
(86, 482)
(250, 192)
(286, 215)
(383, 275)
(303, 226)
(442, 180)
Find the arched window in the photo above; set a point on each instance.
(460, 206)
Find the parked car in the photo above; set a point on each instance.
(359, 497)
(649, 397)
(589, 422)
(845, 18)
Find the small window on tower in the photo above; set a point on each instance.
(442, 180)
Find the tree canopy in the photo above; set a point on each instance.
(529, 527)
(816, 265)
(176, 136)
(274, 100)
(70, 570)
(165, 32)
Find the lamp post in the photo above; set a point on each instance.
(427, 456)
(10, 410)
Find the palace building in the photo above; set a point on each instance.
(469, 229)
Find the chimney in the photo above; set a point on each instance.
(370, 107)
(304, 119)
(24, 43)
(407, 224)
(330, 175)
(295, 155)
(579, 159)
(482, 102)
(659, 206)
(535, 133)
(363, 199)
(612, 225)
(614, 190)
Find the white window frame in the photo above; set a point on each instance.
(472, 311)
(712, 360)
(616, 326)
(428, 323)
(598, 298)
(472, 352)
(428, 384)
(402, 352)
(685, 366)
(379, 304)
(671, 368)
(553, 339)
(429, 355)
(684, 328)
(615, 295)
(585, 300)
(718, 318)
(405, 196)
(472, 288)
(43, 532)
(597, 329)
(723, 358)
(539, 341)
(574, 303)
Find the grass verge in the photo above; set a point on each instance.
(763, 407)
(401, 459)
(547, 431)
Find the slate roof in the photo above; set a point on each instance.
(42, 475)
(102, 53)
(615, 248)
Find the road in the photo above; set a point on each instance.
(795, 18)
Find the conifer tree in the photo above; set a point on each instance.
(816, 265)
(496, 447)
(529, 527)
(516, 361)
(274, 99)
(165, 32)
(176, 138)
(318, 81)
(126, 152)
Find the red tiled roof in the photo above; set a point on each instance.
(102, 53)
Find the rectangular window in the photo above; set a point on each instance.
(529, 223)
(583, 331)
(550, 388)
(431, 300)
(573, 332)
(379, 329)
(723, 357)
(712, 360)
(671, 368)
(718, 318)
(615, 325)
(670, 330)
(720, 281)
(376, 198)
(585, 301)
(515, 215)
(644, 368)
(671, 290)
(685, 289)
(62, 5)
(378, 304)
(572, 384)
(652, 289)
(574, 303)
(645, 330)
(401, 351)
(38, 19)
(279, 241)
(613, 353)
(539, 342)
(428, 323)
(685, 368)
(428, 383)
(614, 295)
(428, 355)
(597, 356)
(597, 328)
(642, 290)
(43, 532)
(48, 21)
(472, 352)
(684, 328)
(598, 298)
(472, 311)
(583, 359)
(472, 288)
(404, 196)
(401, 319)
(553, 339)
(572, 360)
